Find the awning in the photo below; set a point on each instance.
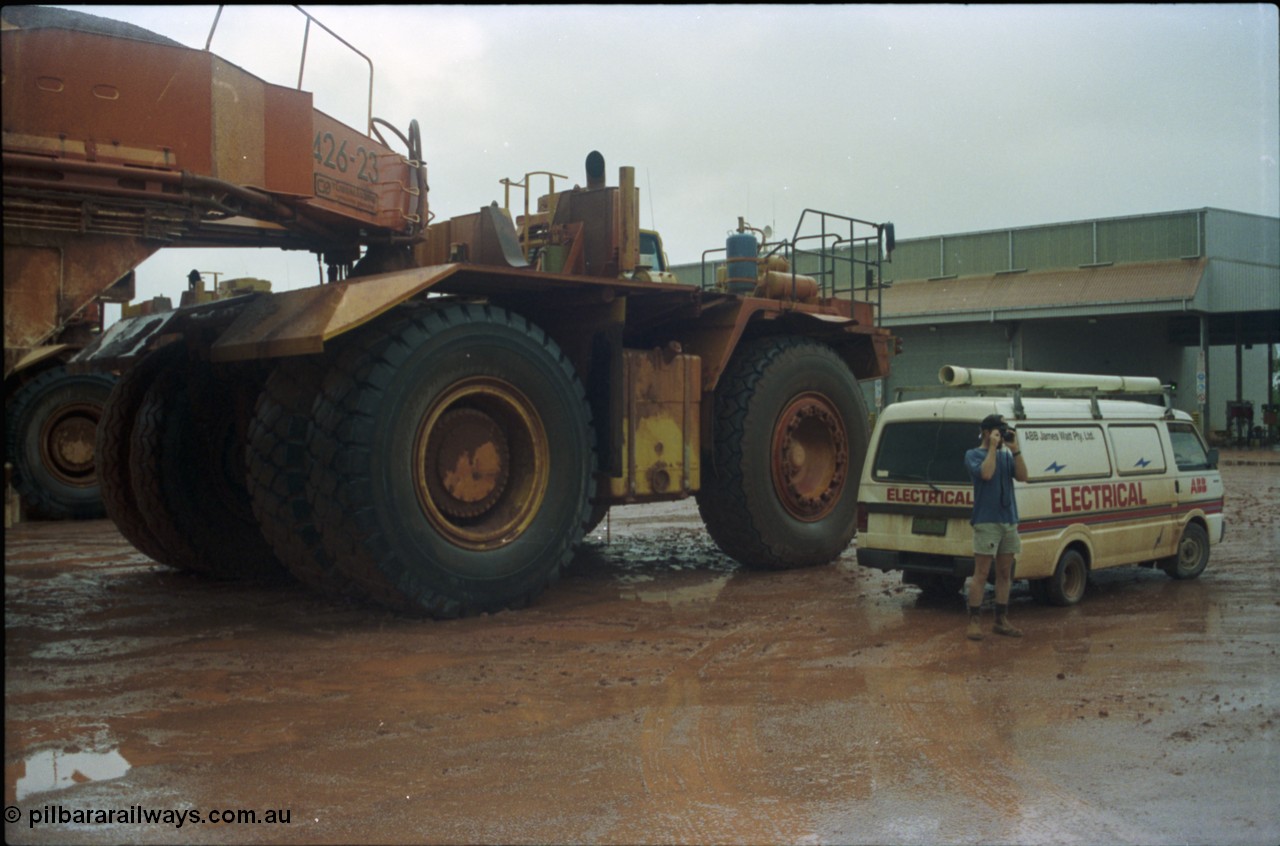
(1141, 286)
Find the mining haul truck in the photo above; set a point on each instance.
(437, 425)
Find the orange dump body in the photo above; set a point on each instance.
(115, 147)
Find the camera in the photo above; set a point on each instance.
(1007, 434)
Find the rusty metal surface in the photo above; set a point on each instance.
(662, 398)
(353, 176)
(85, 97)
(95, 98)
(809, 458)
(470, 488)
(115, 147)
(32, 276)
(723, 320)
(52, 278)
(299, 322)
(107, 99)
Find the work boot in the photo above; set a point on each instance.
(1003, 626)
(974, 631)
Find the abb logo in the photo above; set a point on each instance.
(1199, 485)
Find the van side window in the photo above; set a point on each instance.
(1188, 450)
(925, 451)
(1056, 452)
(1137, 448)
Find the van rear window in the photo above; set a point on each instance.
(925, 451)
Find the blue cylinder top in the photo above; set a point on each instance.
(741, 248)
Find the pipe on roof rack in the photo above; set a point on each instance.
(954, 377)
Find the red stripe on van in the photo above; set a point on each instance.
(1102, 517)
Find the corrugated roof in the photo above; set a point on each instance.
(1070, 288)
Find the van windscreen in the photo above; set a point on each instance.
(925, 451)
(1188, 450)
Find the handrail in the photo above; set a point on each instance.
(862, 235)
(302, 65)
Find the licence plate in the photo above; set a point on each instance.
(929, 526)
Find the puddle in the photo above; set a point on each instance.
(98, 648)
(673, 594)
(56, 769)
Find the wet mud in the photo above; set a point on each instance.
(658, 694)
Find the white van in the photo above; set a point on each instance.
(1111, 482)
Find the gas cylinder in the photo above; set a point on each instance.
(741, 248)
(783, 285)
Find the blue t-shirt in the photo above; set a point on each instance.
(993, 499)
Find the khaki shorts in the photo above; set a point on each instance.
(996, 539)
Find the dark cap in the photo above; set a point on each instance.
(992, 421)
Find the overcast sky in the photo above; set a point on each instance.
(943, 119)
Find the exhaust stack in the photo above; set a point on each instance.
(595, 170)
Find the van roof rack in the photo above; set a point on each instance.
(1016, 382)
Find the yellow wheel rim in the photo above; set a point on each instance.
(481, 463)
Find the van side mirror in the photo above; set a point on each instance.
(1212, 458)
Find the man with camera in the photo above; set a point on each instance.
(994, 466)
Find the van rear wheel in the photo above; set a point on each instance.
(1067, 584)
(1192, 555)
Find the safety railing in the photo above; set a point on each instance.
(843, 254)
(302, 64)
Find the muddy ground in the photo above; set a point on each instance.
(657, 695)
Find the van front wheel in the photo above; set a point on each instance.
(1067, 584)
(1192, 555)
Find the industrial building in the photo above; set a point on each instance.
(1191, 297)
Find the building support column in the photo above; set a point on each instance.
(1206, 421)
(1239, 364)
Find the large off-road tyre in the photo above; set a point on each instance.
(452, 461)
(595, 517)
(599, 507)
(50, 428)
(1069, 581)
(188, 476)
(791, 432)
(1192, 555)
(115, 469)
(279, 465)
